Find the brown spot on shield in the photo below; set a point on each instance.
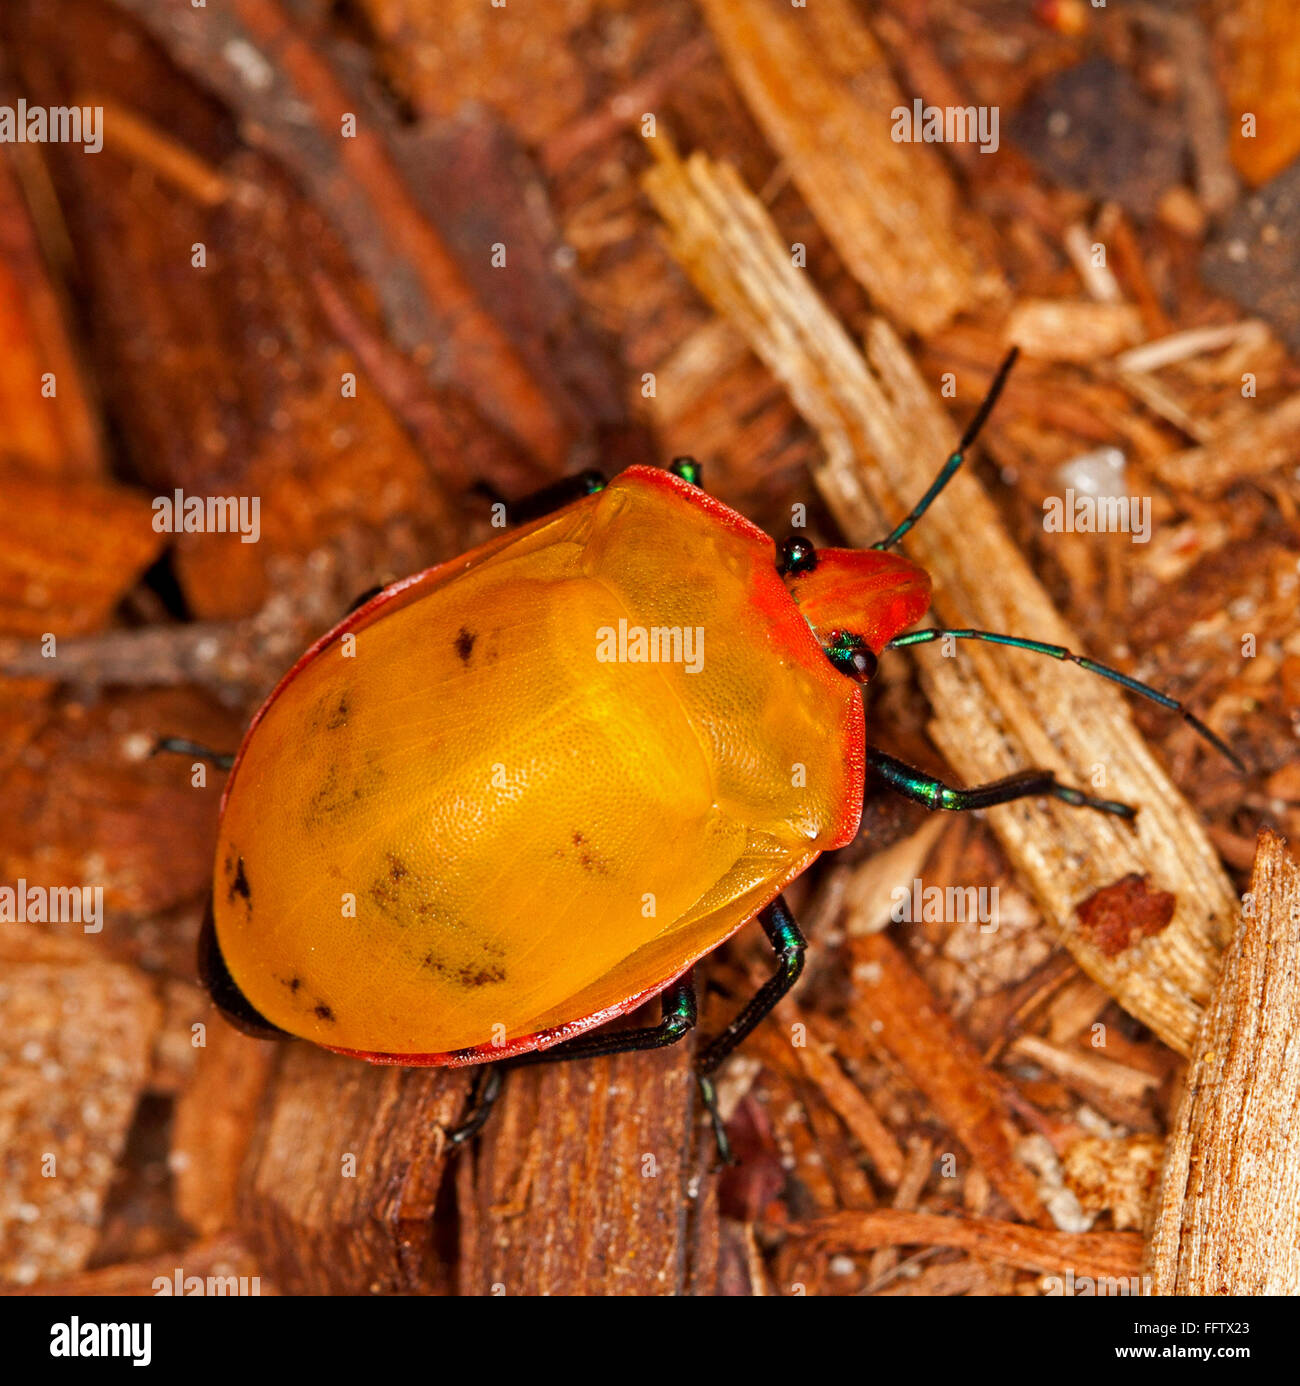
(239, 886)
(1123, 913)
(465, 644)
(340, 714)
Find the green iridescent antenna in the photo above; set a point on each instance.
(949, 468)
(926, 637)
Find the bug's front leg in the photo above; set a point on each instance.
(1026, 784)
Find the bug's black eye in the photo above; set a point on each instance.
(852, 656)
(796, 556)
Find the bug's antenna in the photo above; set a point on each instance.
(950, 466)
(925, 637)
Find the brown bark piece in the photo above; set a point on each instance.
(587, 1184)
(80, 545)
(1122, 914)
(58, 435)
(223, 1265)
(295, 109)
(1228, 1221)
(894, 1005)
(89, 778)
(1253, 448)
(214, 1122)
(1262, 38)
(342, 1183)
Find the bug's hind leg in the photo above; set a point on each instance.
(679, 1015)
(789, 944)
(488, 1083)
(1027, 784)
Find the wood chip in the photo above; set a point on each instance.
(1118, 1177)
(1059, 330)
(343, 1178)
(75, 1044)
(214, 1121)
(1229, 1215)
(222, 1264)
(894, 1006)
(819, 84)
(1245, 451)
(1112, 1254)
(612, 1143)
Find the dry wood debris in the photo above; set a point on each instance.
(600, 232)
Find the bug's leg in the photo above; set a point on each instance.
(688, 469)
(181, 747)
(679, 1015)
(552, 497)
(488, 1083)
(368, 595)
(679, 1012)
(789, 944)
(1027, 784)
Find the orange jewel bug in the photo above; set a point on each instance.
(519, 794)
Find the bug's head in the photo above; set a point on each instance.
(855, 600)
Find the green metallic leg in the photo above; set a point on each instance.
(789, 944)
(679, 1016)
(1028, 784)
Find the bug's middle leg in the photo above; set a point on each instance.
(789, 944)
(1026, 784)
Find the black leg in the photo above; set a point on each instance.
(1028, 784)
(488, 1083)
(369, 594)
(679, 1015)
(181, 747)
(789, 945)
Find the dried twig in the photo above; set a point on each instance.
(894, 1005)
(1111, 1254)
